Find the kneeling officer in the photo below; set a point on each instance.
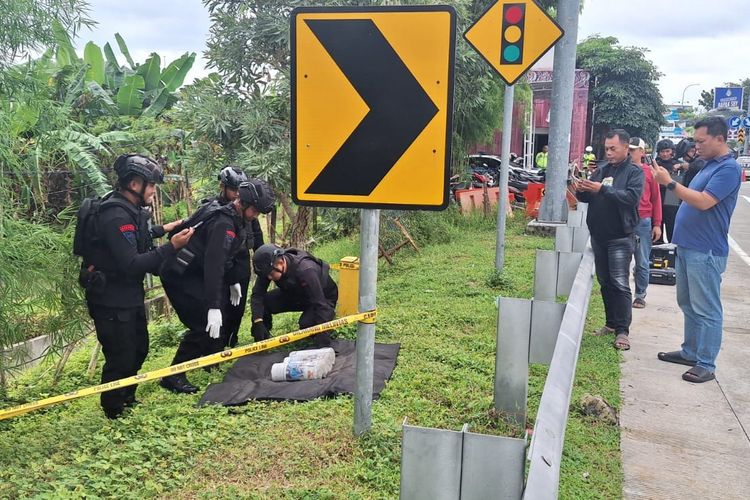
(303, 284)
(196, 280)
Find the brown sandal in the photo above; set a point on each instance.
(622, 342)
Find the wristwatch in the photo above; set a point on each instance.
(672, 185)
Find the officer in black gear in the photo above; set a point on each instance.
(303, 283)
(689, 161)
(197, 279)
(230, 179)
(669, 202)
(113, 269)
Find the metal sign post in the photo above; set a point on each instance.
(368, 280)
(502, 201)
(526, 34)
(372, 103)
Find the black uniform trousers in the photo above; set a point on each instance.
(669, 213)
(192, 312)
(123, 335)
(276, 301)
(233, 315)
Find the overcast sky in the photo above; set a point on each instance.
(688, 41)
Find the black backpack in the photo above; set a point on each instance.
(87, 239)
(204, 213)
(87, 227)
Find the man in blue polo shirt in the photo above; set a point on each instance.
(700, 233)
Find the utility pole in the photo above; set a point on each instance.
(502, 202)
(553, 207)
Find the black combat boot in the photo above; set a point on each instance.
(178, 384)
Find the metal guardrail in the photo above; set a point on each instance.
(552, 417)
(443, 464)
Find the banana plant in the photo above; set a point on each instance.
(136, 89)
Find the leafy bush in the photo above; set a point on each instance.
(38, 286)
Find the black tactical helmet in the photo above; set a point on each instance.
(664, 144)
(257, 193)
(140, 165)
(265, 257)
(232, 176)
(684, 146)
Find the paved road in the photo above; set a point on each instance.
(682, 440)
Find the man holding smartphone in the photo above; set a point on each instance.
(613, 193)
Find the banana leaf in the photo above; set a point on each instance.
(130, 95)
(158, 104)
(124, 50)
(151, 71)
(174, 74)
(92, 55)
(102, 98)
(66, 53)
(76, 85)
(22, 118)
(110, 55)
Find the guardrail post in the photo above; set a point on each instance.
(512, 359)
(449, 465)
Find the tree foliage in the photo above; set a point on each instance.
(27, 26)
(624, 93)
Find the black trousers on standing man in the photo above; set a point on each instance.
(123, 335)
(612, 258)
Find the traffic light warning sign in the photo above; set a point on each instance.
(525, 31)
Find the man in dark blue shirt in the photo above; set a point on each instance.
(701, 229)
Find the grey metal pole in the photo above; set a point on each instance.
(502, 201)
(747, 130)
(553, 207)
(368, 279)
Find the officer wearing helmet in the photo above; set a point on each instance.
(690, 163)
(665, 150)
(588, 160)
(202, 278)
(303, 283)
(113, 269)
(230, 179)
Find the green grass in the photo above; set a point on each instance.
(438, 304)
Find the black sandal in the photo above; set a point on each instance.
(675, 357)
(698, 375)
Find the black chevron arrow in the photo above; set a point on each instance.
(399, 107)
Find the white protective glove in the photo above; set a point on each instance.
(235, 294)
(213, 324)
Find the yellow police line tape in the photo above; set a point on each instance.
(212, 359)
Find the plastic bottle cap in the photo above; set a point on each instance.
(278, 372)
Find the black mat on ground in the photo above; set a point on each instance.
(250, 377)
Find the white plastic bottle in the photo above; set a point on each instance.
(304, 365)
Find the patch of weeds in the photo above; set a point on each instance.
(500, 280)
